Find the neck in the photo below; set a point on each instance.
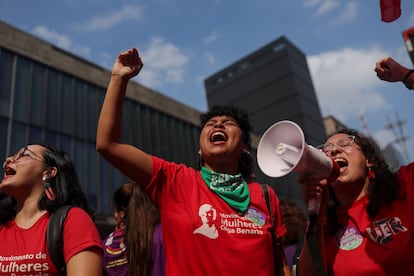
(219, 168)
(351, 193)
(28, 214)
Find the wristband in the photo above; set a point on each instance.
(407, 78)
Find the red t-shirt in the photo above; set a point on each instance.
(202, 234)
(380, 246)
(24, 251)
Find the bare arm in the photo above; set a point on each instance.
(85, 263)
(132, 161)
(388, 69)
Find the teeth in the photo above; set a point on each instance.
(218, 136)
(9, 171)
(341, 162)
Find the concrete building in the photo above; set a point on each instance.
(393, 156)
(332, 125)
(49, 95)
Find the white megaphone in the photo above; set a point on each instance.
(282, 149)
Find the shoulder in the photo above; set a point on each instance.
(259, 188)
(158, 162)
(80, 232)
(78, 216)
(77, 211)
(407, 169)
(168, 168)
(405, 176)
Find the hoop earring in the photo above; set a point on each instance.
(48, 189)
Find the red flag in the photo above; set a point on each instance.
(390, 10)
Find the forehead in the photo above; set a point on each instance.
(337, 137)
(36, 149)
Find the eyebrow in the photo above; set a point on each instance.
(34, 153)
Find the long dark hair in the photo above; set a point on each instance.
(65, 185)
(142, 218)
(121, 198)
(383, 189)
(242, 118)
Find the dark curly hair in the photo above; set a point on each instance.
(383, 189)
(242, 118)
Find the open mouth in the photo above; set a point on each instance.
(341, 162)
(218, 137)
(8, 171)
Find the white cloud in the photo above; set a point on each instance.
(347, 87)
(83, 51)
(107, 21)
(163, 63)
(327, 6)
(53, 37)
(311, 3)
(344, 12)
(348, 14)
(345, 82)
(211, 38)
(61, 41)
(384, 138)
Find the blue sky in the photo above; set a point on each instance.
(182, 42)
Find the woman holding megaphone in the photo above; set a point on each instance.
(366, 219)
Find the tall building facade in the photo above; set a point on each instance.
(48, 95)
(273, 83)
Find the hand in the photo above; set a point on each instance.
(128, 64)
(312, 188)
(389, 70)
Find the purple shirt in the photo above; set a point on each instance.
(290, 251)
(158, 254)
(115, 261)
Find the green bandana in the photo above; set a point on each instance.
(232, 188)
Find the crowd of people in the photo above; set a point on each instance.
(216, 219)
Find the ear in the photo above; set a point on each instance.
(121, 214)
(369, 164)
(50, 172)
